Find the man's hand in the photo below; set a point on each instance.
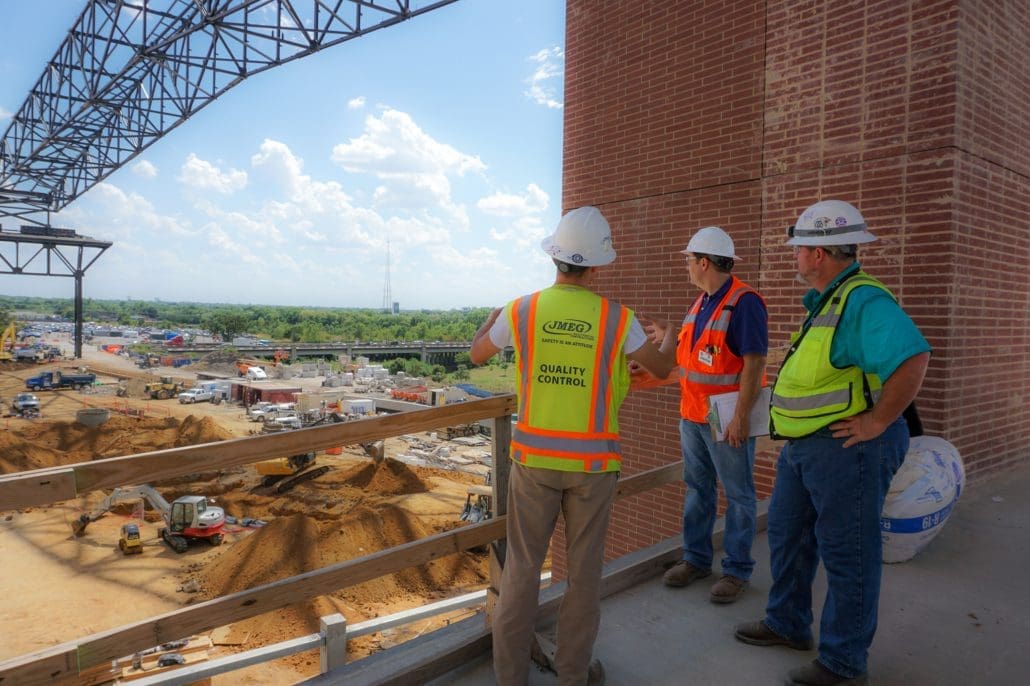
(858, 428)
(655, 329)
(738, 430)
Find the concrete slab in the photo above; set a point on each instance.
(955, 614)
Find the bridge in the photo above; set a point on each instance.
(429, 352)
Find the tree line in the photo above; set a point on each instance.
(277, 323)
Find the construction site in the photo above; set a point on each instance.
(124, 566)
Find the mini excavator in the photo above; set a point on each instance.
(188, 518)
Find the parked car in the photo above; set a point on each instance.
(271, 411)
(25, 402)
(195, 395)
(256, 412)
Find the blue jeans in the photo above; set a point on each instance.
(826, 506)
(703, 460)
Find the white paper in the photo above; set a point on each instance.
(722, 406)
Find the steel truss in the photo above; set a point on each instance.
(46, 256)
(130, 71)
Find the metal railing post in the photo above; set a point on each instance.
(333, 651)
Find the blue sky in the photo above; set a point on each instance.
(441, 135)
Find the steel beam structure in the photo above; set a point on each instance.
(130, 71)
(44, 257)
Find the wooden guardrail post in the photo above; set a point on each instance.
(501, 472)
(333, 651)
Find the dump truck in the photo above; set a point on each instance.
(50, 380)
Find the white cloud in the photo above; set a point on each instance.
(549, 71)
(413, 168)
(297, 238)
(145, 169)
(203, 175)
(508, 205)
(5, 115)
(395, 145)
(356, 103)
(129, 217)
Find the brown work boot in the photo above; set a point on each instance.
(815, 674)
(758, 634)
(683, 574)
(727, 589)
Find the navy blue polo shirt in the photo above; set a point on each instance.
(748, 332)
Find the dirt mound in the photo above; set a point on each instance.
(48, 444)
(296, 544)
(221, 361)
(281, 549)
(390, 477)
(19, 455)
(366, 530)
(193, 431)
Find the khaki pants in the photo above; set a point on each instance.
(535, 497)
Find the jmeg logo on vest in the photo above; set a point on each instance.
(567, 326)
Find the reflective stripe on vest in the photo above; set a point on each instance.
(593, 446)
(696, 382)
(810, 393)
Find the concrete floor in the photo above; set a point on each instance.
(955, 614)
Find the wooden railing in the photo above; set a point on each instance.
(41, 487)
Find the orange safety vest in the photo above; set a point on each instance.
(573, 377)
(709, 366)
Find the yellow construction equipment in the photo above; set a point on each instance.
(164, 389)
(7, 339)
(129, 541)
(287, 472)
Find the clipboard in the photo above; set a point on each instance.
(722, 406)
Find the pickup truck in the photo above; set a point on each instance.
(33, 353)
(25, 402)
(263, 411)
(195, 395)
(52, 380)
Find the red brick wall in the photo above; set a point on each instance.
(741, 114)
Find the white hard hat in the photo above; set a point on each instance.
(830, 222)
(583, 238)
(711, 240)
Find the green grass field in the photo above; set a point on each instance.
(493, 378)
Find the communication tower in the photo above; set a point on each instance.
(387, 295)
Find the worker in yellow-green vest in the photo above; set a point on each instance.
(571, 350)
(851, 370)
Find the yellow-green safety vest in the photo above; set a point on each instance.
(810, 393)
(573, 377)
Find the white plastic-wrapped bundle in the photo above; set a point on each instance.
(921, 497)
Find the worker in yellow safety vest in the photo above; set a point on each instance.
(856, 363)
(571, 350)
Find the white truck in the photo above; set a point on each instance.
(25, 404)
(256, 374)
(264, 411)
(195, 395)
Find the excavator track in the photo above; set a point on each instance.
(287, 484)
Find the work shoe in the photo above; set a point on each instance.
(727, 589)
(758, 634)
(815, 674)
(683, 574)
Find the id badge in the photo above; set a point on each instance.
(705, 357)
